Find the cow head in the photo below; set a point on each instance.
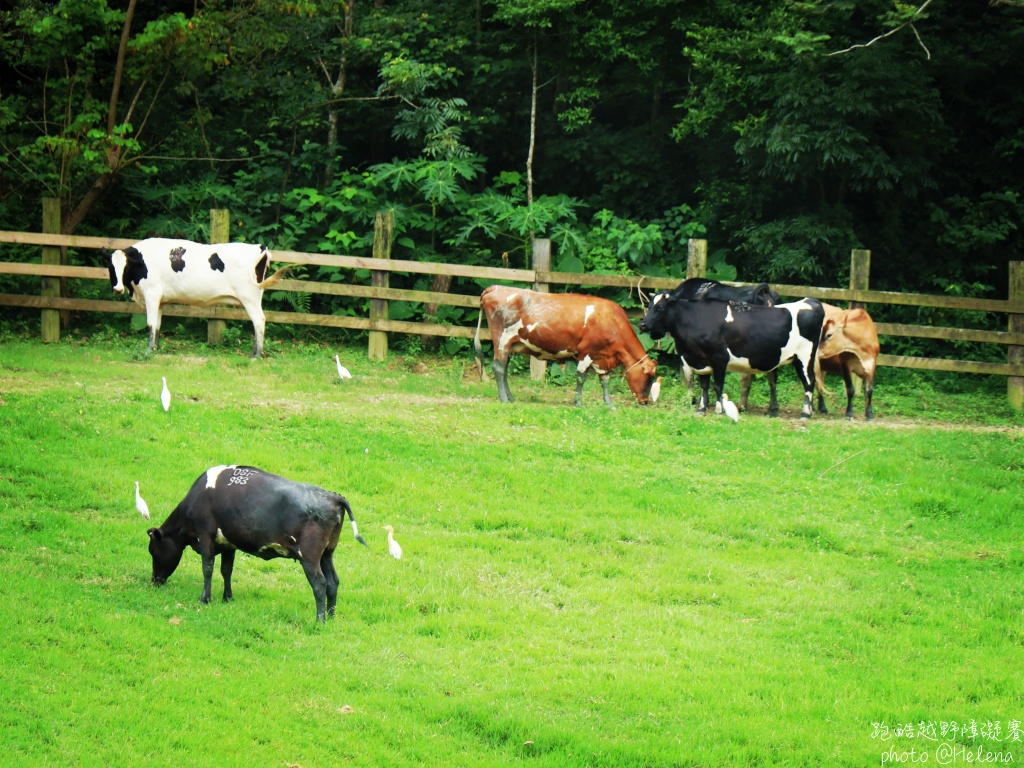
(640, 377)
(166, 554)
(831, 343)
(763, 294)
(655, 322)
(126, 268)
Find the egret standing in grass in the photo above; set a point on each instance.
(656, 389)
(393, 548)
(342, 370)
(140, 503)
(730, 408)
(165, 395)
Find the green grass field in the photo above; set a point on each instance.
(580, 586)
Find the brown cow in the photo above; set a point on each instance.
(562, 326)
(848, 343)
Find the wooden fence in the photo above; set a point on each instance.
(51, 270)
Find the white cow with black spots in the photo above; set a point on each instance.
(160, 271)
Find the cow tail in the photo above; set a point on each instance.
(274, 277)
(476, 345)
(355, 530)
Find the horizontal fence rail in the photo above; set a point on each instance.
(380, 292)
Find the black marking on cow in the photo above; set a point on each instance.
(261, 267)
(216, 264)
(177, 259)
(135, 270)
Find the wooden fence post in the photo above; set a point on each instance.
(1015, 354)
(541, 263)
(383, 232)
(860, 274)
(220, 232)
(51, 255)
(697, 261)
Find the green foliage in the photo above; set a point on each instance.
(784, 132)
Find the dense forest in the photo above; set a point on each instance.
(784, 132)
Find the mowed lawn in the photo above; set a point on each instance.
(580, 586)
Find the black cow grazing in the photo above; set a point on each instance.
(230, 508)
(713, 337)
(702, 289)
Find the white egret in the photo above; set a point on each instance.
(140, 503)
(393, 548)
(730, 408)
(165, 395)
(342, 370)
(656, 390)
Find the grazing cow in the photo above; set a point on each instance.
(713, 337)
(231, 507)
(563, 326)
(849, 343)
(703, 289)
(159, 271)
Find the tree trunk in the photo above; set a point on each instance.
(440, 284)
(533, 128)
(337, 86)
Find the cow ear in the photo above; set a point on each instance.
(826, 329)
(154, 533)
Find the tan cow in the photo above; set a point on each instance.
(849, 343)
(563, 326)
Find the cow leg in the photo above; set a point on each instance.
(773, 393)
(318, 582)
(820, 386)
(227, 563)
(869, 385)
(208, 562)
(688, 378)
(605, 381)
(500, 369)
(153, 323)
(807, 379)
(705, 382)
(719, 388)
(745, 381)
(332, 580)
(259, 326)
(581, 378)
(848, 381)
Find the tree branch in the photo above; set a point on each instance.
(908, 23)
(122, 50)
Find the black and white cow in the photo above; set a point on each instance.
(231, 508)
(697, 288)
(160, 271)
(713, 337)
(703, 289)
